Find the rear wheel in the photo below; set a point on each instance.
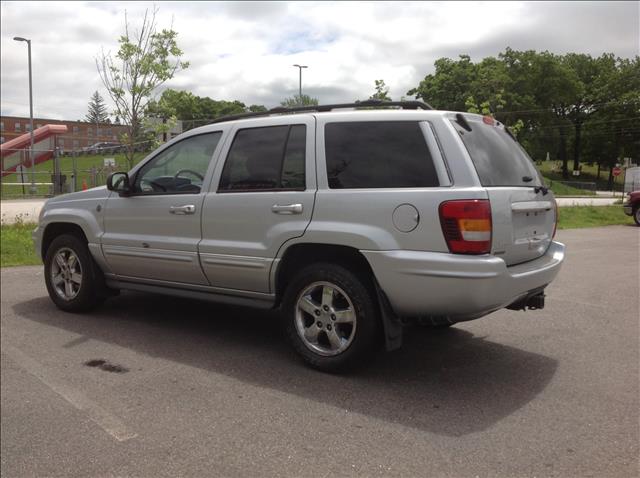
(331, 317)
(73, 279)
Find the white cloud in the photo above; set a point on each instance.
(245, 50)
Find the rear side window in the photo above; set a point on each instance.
(266, 159)
(496, 155)
(383, 154)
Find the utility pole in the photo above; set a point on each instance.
(33, 161)
(300, 67)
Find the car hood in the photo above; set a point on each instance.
(94, 193)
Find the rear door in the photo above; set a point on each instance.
(523, 211)
(262, 195)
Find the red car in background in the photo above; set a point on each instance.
(632, 206)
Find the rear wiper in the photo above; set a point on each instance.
(462, 121)
(536, 189)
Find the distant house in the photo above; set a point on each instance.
(172, 133)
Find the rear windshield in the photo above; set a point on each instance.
(497, 156)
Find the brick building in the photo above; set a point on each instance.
(80, 133)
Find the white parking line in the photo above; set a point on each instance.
(105, 420)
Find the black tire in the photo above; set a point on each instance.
(636, 215)
(90, 288)
(363, 335)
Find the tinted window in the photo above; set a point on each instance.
(294, 159)
(266, 159)
(180, 168)
(496, 155)
(386, 154)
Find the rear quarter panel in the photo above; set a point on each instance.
(363, 218)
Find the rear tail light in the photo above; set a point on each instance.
(466, 225)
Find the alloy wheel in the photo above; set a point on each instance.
(66, 273)
(325, 318)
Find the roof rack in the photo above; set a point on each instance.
(407, 105)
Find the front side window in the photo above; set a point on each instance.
(18, 127)
(378, 154)
(179, 169)
(266, 159)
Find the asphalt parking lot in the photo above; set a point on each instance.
(157, 386)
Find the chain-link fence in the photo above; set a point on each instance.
(58, 171)
(57, 175)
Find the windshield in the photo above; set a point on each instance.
(496, 155)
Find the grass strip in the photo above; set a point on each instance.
(16, 245)
(577, 217)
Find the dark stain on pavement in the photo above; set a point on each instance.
(106, 366)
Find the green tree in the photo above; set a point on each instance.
(539, 91)
(181, 104)
(194, 110)
(554, 103)
(450, 86)
(97, 110)
(257, 109)
(382, 91)
(146, 58)
(611, 132)
(590, 73)
(297, 100)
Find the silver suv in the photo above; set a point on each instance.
(353, 222)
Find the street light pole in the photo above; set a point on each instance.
(31, 158)
(300, 67)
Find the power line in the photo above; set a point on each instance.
(614, 102)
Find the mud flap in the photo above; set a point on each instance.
(391, 325)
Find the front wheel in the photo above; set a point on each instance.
(636, 215)
(331, 317)
(72, 277)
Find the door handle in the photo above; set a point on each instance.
(287, 209)
(187, 209)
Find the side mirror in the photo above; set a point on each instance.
(119, 182)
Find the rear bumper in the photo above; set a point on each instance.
(455, 286)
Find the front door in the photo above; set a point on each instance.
(153, 234)
(261, 196)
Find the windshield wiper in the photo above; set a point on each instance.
(462, 121)
(536, 189)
